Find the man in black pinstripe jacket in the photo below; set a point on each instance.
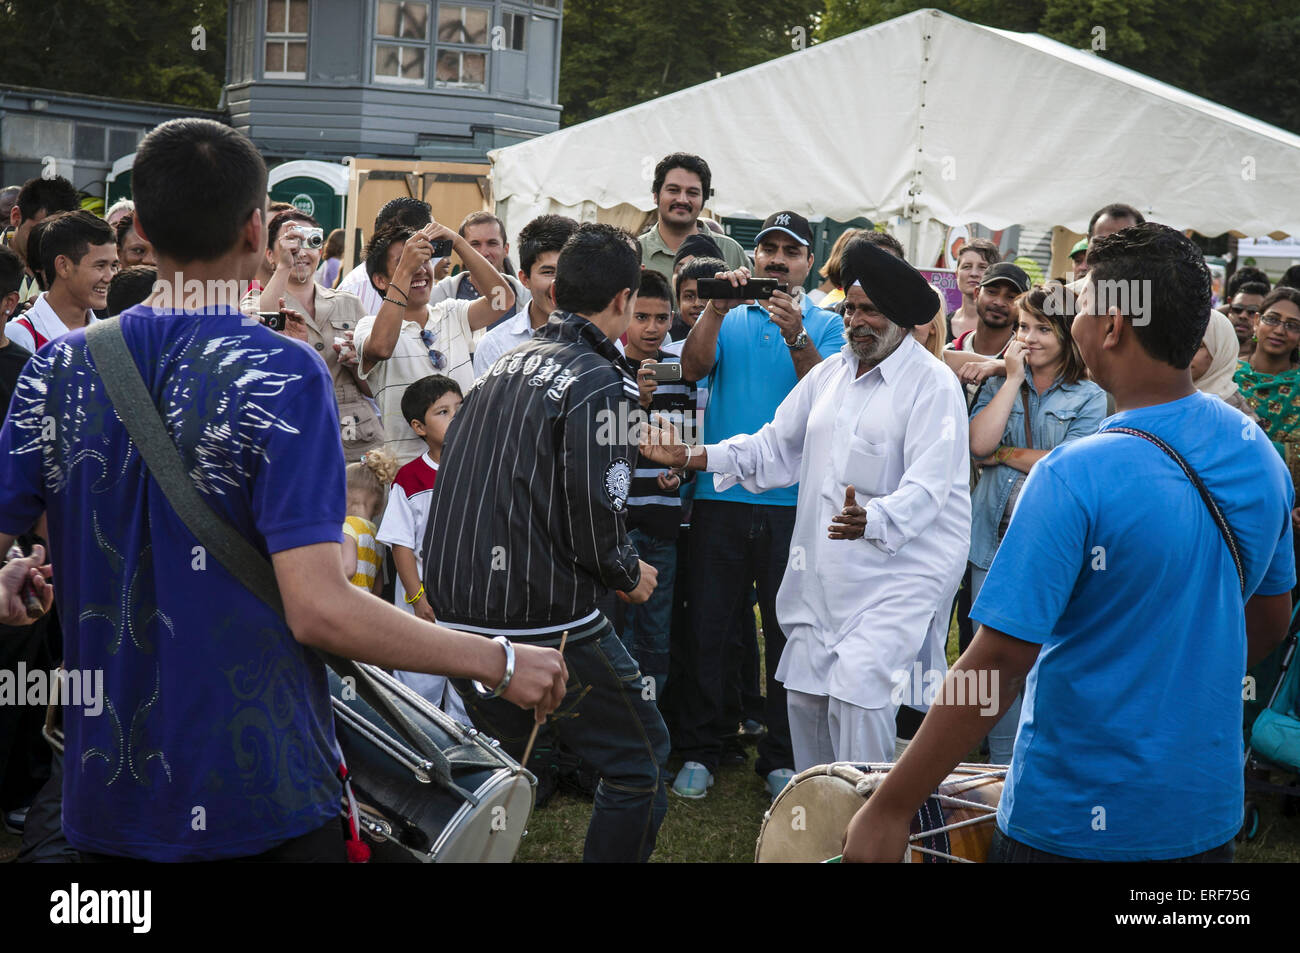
(527, 531)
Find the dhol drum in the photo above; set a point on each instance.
(470, 805)
(806, 822)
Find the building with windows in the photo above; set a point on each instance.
(418, 79)
(47, 132)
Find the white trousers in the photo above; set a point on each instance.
(825, 729)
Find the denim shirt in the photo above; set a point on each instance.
(1066, 412)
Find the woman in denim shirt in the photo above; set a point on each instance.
(1045, 375)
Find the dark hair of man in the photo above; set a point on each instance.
(123, 228)
(424, 393)
(655, 285)
(71, 234)
(982, 247)
(376, 253)
(884, 240)
(279, 219)
(195, 184)
(1251, 288)
(597, 262)
(129, 287)
(404, 210)
(683, 160)
(46, 195)
(544, 233)
(1248, 274)
(1175, 283)
(1115, 210)
(698, 268)
(1291, 277)
(33, 253)
(11, 271)
(482, 218)
(1033, 304)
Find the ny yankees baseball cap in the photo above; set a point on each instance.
(792, 223)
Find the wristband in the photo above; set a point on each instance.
(412, 600)
(400, 304)
(505, 679)
(1003, 453)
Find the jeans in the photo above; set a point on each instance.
(647, 627)
(607, 720)
(1008, 850)
(733, 547)
(1002, 736)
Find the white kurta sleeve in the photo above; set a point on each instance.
(772, 457)
(936, 454)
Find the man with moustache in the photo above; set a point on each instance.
(881, 422)
(681, 189)
(752, 357)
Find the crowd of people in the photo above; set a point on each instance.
(602, 454)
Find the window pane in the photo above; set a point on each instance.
(275, 57)
(546, 3)
(387, 60)
(275, 17)
(297, 16)
(412, 63)
(88, 142)
(406, 20)
(387, 21)
(296, 58)
(473, 70)
(121, 142)
(450, 29)
(476, 26)
(448, 66)
(517, 33)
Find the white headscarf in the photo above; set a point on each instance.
(1221, 341)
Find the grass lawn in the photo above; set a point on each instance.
(723, 827)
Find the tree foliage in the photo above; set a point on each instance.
(617, 53)
(1240, 53)
(119, 48)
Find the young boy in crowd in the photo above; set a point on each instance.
(654, 508)
(428, 406)
(78, 256)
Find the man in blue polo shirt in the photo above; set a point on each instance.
(1116, 601)
(752, 356)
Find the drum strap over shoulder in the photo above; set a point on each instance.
(135, 407)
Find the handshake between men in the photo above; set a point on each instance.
(663, 445)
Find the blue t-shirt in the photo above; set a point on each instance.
(752, 373)
(1130, 742)
(215, 737)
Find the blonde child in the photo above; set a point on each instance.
(367, 483)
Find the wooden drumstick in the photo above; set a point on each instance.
(528, 750)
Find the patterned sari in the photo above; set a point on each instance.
(1275, 398)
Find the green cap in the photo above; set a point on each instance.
(1080, 245)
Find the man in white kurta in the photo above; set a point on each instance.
(859, 612)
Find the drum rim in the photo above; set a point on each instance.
(500, 777)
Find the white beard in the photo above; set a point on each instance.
(878, 346)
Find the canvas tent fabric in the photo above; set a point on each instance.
(934, 119)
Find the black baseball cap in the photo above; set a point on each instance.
(1008, 272)
(792, 223)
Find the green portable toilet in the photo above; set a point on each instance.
(320, 189)
(117, 184)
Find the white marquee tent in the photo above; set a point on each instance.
(933, 119)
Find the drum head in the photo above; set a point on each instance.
(491, 832)
(807, 821)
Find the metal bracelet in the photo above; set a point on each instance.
(510, 671)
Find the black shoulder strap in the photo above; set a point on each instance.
(135, 408)
(1221, 521)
